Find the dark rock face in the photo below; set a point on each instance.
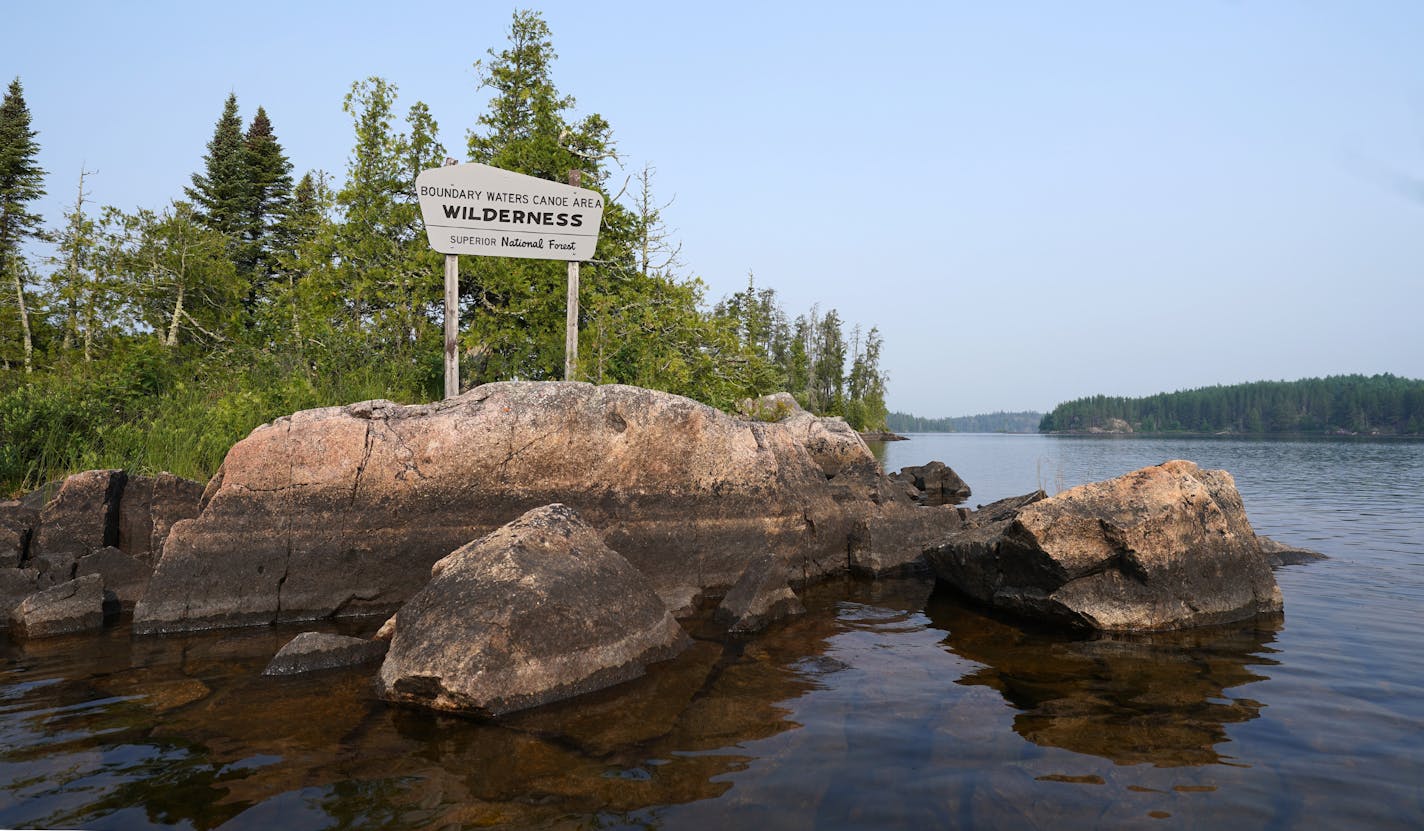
(123, 575)
(68, 608)
(536, 611)
(17, 525)
(1164, 547)
(315, 651)
(1003, 509)
(16, 584)
(340, 511)
(148, 510)
(760, 597)
(82, 517)
(936, 483)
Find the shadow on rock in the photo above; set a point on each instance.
(1163, 699)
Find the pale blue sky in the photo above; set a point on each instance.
(1033, 201)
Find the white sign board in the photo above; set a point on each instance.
(483, 210)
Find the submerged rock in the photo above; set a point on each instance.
(536, 611)
(314, 651)
(341, 511)
(760, 597)
(1164, 547)
(1279, 554)
(78, 605)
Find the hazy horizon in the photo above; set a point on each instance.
(1034, 203)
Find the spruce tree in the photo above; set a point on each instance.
(266, 197)
(21, 182)
(518, 305)
(220, 192)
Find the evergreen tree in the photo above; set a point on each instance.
(385, 277)
(518, 305)
(266, 195)
(220, 192)
(21, 182)
(828, 371)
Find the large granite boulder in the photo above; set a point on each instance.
(536, 611)
(71, 607)
(832, 443)
(1161, 548)
(341, 511)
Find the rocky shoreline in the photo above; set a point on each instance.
(534, 541)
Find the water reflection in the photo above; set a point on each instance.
(185, 731)
(1160, 699)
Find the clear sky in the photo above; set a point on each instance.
(1033, 201)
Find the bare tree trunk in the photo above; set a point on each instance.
(172, 339)
(24, 317)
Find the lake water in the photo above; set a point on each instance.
(888, 705)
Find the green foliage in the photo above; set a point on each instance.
(21, 178)
(160, 338)
(220, 192)
(1342, 404)
(806, 358)
(21, 182)
(266, 197)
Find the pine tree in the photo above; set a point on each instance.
(220, 193)
(21, 182)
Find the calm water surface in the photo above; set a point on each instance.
(889, 705)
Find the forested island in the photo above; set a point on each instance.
(999, 422)
(1379, 405)
(152, 340)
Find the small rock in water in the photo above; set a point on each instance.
(68, 608)
(313, 651)
(761, 596)
(1279, 554)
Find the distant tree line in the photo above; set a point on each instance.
(154, 339)
(1342, 404)
(1000, 422)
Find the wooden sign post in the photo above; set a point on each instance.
(452, 325)
(572, 309)
(485, 211)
